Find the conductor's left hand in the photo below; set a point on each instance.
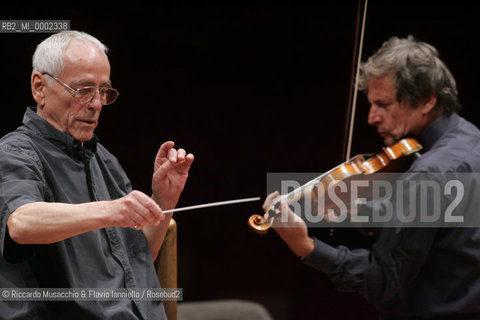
(170, 174)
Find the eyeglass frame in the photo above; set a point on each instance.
(75, 91)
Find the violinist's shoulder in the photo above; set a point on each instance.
(449, 157)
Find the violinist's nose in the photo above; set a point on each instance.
(374, 117)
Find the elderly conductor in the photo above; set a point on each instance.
(69, 216)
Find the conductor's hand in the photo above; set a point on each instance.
(291, 228)
(170, 173)
(135, 210)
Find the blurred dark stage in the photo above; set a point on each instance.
(249, 87)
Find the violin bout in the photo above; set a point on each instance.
(395, 158)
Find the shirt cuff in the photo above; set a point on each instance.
(323, 256)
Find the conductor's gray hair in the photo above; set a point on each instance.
(48, 56)
(418, 72)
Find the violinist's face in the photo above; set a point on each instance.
(393, 119)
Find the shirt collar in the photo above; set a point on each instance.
(64, 141)
(436, 129)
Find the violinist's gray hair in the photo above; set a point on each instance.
(418, 71)
(48, 56)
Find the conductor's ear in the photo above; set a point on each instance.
(38, 88)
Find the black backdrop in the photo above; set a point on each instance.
(249, 87)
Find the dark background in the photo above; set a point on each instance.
(249, 87)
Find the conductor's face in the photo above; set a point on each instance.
(85, 65)
(393, 119)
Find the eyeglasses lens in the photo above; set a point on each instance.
(86, 94)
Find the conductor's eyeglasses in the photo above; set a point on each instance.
(85, 94)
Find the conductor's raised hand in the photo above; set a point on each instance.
(170, 173)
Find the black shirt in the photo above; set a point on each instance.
(40, 163)
(416, 273)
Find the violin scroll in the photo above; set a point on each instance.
(260, 224)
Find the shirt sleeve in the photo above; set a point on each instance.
(393, 262)
(378, 274)
(21, 182)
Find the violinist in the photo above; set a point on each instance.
(409, 273)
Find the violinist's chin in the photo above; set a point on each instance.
(388, 140)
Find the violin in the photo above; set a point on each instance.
(395, 158)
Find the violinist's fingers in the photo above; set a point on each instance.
(328, 217)
(333, 216)
(269, 199)
(290, 217)
(294, 233)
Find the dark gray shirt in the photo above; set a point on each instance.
(415, 273)
(40, 163)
